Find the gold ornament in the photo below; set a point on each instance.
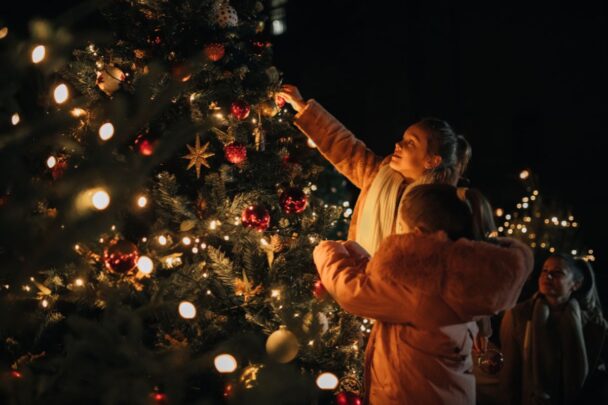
(269, 108)
(198, 156)
(282, 345)
(350, 383)
(249, 376)
(109, 79)
(244, 287)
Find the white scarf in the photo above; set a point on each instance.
(378, 216)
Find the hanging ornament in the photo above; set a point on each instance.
(121, 256)
(109, 79)
(214, 51)
(240, 110)
(201, 206)
(158, 397)
(350, 383)
(235, 153)
(348, 398)
(293, 200)
(259, 27)
(282, 345)
(256, 217)
(145, 144)
(198, 156)
(315, 324)
(259, 138)
(249, 376)
(58, 166)
(491, 361)
(319, 290)
(226, 16)
(243, 287)
(268, 108)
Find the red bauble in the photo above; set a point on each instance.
(215, 51)
(257, 217)
(159, 397)
(279, 101)
(60, 167)
(235, 153)
(145, 145)
(319, 290)
(240, 110)
(293, 200)
(121, 256)
(348, 398)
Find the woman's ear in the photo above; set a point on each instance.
(432, 162)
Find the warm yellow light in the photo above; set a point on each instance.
(142, 201)
(225, 363)
(61, 93)
(45, 303)
(106, 131)
(100, 199)
(79, 282)
(78, 112)
(51, 162)
(311, 144)
(3, 32)
(162, 240)
(15, 119)
(38, 54)
(524, 174)
(187, 310)
(327, 381)
(186, 241)
(145, 265)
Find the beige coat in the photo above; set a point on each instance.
(343, 150)
(424, 291)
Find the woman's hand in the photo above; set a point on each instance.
(292, 95)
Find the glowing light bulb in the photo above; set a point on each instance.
(100, 199)
(225, 363)
(524, 174)
(327, 381)
(78, 112)
(61, 93)
(187, 310)
(51, 162)
(38, 54)
(145, 265)
(106, 131)
(142, 201)
(186, 241)
(79, 282)
(15, 119)
(499, 212)
(311, 144)
(3, 32)
(162, 240)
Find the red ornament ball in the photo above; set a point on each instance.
(59, 168)
(215, 51)
(235, 153)
(240, 110)
(293, 200)
(491, 361)
(145, 145)
(319, 290)
(257, 217)
(121, 256)
(279, 101)
(348, 398)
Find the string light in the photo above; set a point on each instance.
(162, 240)
(45, 303)
(524, 174)
(187, 310)
(79, 282)
(78, 112)
(51, 162)
(38, 54)
(106, 131)
(15, 119)
(225, 363)
(186, 241)
(61, 93)
(145, 264)
(327, 381)
(100, 199)
(142, 201)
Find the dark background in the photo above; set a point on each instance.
(526, 85)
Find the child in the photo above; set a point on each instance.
(429, 152)
(425, 288)
(554, 344)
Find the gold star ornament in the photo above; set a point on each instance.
(198, 156)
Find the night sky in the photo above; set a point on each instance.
(526, 86)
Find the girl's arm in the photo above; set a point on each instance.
(342, 272)
(337, 144)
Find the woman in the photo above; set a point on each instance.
(554, 343)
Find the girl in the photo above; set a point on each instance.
(553, 342)
(425, 288)
(429, 152)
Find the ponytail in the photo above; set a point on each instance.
(482, 215)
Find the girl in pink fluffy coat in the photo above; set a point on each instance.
(425, 289)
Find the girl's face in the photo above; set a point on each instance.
(556, 280)
(411, 158)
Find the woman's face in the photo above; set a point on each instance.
(556, 280)
(411, 158)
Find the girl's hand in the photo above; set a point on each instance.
(292, 95)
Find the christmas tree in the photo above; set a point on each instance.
(158, 214)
